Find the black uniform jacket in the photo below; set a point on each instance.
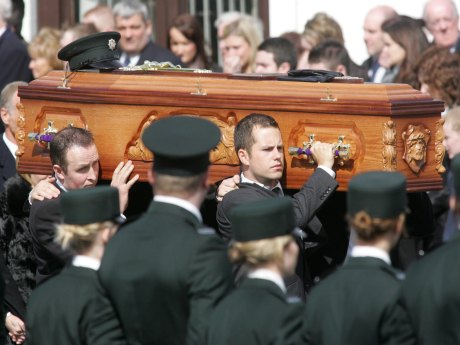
(164, 273)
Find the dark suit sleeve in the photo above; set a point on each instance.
(210, 280)
(104, 326)
(223, 224)
(312, 195)
(396, 327)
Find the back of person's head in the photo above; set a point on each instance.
(7, 94)
(5, 10)
(439, 70)
(243, 130)
(77, 31)
(332, 54)
(407, 32)
(262, 231)
(282, 49)
(322, 27)
(85, 213)
(376, 203)
(101, 17)
(190, 27)
(17, 16)
(64, 140)
(128, 8)
(46, 44)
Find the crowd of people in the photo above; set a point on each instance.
(77, 270)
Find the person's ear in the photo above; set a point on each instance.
(342, 69)
(59, 172)
(5, 115)
(243, 155)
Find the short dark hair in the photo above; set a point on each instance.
(330, 52)
(243, 131)
(64, 140)
(282, 49)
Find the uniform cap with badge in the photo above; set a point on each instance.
(263, 219)
(90, 205)
(96, 51)
(381, 194)
(181, 144)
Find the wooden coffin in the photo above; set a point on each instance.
(374, 126)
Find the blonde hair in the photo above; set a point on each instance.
(259, 252)
(368, 228)
(322, 27)
(79, 237)
(46, 45)
(245, 28)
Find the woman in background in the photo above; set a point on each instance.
(240, 41)
(186, 41)
(404, 42)
(43, 52)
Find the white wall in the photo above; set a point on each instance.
(291, 15)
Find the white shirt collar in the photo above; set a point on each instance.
(2, 30)
(263, 273)
(181, 203)
(86, 261)
(361, 251)
(11, 146)
(246, 180)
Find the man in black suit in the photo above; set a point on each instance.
(14, 58)
(133, 23)
(8, 146)
(75, 162)
(260, 149)
(166, 271)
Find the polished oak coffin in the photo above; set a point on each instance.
(373, 126)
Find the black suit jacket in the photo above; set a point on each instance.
(155, 52)
(7, 162)
(68, 300)
(164, 274)
(430, 295)
(50, 257)
(14, 59)
(355, 305)
(256, 313)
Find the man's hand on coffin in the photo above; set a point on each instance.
(323, 154)
(120, 181)
(226, 186)
(45, 189)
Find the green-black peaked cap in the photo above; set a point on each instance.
(90, 205)
(262, 219)
(99, 50)
(382, 194)
(181, 144)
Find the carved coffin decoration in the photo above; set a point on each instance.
(370, 125)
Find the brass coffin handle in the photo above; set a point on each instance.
(342, 151)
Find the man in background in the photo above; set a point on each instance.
(441, 19)
(133, 23)
(275, 55)
(373, 37)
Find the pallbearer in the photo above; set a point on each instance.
(60, 310)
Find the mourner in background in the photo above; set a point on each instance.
(441, 19)
(60, 310)
(258, 311)
(275, 55)
(166, 271)
(356, 304)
